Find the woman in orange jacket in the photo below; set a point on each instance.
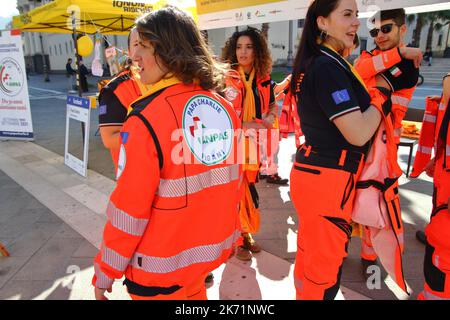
(173, 216)
(251, 91)
(339, 117)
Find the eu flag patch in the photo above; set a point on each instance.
(124, 136)
(102, 109)
(341, 96)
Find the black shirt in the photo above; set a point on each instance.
(111, 111)
(329, 90)
(69, 69)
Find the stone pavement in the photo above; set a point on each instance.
(51, 221)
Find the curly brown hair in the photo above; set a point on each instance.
(263, 59)
(181, 48)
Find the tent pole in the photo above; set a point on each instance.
(77, 56)
(74, 35)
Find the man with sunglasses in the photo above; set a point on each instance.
(392, 59)
(398, 65)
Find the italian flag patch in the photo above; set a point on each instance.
(395, 71)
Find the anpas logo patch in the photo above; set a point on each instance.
(207, 129)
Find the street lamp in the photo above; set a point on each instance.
(44, 64)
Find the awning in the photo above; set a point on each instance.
(92, 16)
(214, 14)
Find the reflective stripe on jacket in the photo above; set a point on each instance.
(427, 137)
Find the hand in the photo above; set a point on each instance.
(429, 168)
(100, 293)
(435, 98)
(414, 54)
(386, 106)
(269, 121)
(252, 125)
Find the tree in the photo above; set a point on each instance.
(265, 30)
(418, 29)
(435, 20)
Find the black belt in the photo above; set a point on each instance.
(143, 291)
(335, 159)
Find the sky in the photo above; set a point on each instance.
(8, 10)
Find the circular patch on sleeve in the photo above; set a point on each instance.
(231, 94)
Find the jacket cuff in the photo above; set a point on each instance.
(101, 280)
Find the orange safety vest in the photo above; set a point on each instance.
(369, 64)
(235, 92)
(185, 223)
(377, 201)
(289, 119)
(434, 112)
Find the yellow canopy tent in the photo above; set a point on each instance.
(91, 17)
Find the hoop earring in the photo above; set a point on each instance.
(323, 35)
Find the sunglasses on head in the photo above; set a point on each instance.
(387, 28)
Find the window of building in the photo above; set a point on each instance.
(363, 44)
(56, 51)
(67, 48)
(301, 23)
(441, 36)
(51, 51)
(60, 50)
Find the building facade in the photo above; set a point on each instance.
(278, 38)
(57, 48)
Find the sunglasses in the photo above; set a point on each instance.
(387, 28)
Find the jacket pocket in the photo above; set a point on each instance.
(309, 170)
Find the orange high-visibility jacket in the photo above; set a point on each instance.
(369, 64)
(442, 162)
(235, 92)
(428, 134)
(377, 202)
(434, 137)
(289, 119)
(173, 215)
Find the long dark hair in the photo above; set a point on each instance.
(308, 48)
(181, 48)
(263, 60)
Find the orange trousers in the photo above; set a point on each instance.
(196, 291)
(323, 200)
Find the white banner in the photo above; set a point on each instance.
(15, 113)
(236, 14)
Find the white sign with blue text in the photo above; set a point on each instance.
(78, 109)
